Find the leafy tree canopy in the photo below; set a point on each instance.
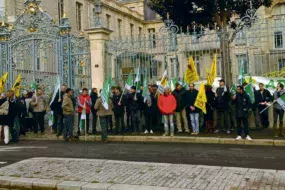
(205, 12)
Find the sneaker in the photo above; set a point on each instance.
(172, 134)
(165, 134)
(151, 132)
(238, 138)
(216, 131)
(179, 131)
(187, 131)
(228, 132)
(193, 133)
(248, 138)
(146, 132)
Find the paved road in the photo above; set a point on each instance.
(196, 154)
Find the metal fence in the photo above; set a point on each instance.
(256, 47)
(39, 50)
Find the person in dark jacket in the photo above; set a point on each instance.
(23, 126)
(210, 107)
(194, 111)
(149, 100)
(278, 111)
(243, 105)
(222, 106)
(94, 97)
(134, 101)
(263, 97)
(128, 111)
(118, 101)
(56, 107)
(180, 96)
(255, 111)
(157, 115)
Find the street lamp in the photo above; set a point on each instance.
(97, 11)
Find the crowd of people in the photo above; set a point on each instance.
(174, 111)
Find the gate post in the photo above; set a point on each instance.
(98, 38)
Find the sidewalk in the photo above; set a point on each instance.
(259, 138)
(84, 174)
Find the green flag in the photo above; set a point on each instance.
(249, 90)
(138, 79)
(233, 89)
(130, 81)
(281, 101)
(241, 77)
(105, 94)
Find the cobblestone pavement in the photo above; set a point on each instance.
(147, 174)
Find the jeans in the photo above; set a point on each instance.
(87, 123)
(104, 120)
(195, 122)
(168, 120)
(148, 122)
(223, 119)
(256, 117)
(244, 121)
(181, 117)
(39, 121)
(278, 113)
(120, 124)
(94, 123)
(68, 123)
(264, 116)
(135, 115)
(58, 123)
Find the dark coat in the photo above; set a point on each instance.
(223, 99)
(211, 101)
(119, 110)
(180, 96)
(134, 105)
(243, 105)
(4, 119)
(190, 100)
(267, 97)
(94, 97)
(56, 106)
(149, 110)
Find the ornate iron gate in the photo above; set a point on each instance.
(39, 50)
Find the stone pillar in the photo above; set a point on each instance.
(98, 38)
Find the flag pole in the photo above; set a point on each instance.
(268, 107)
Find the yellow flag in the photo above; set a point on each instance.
(3, 80)
(164, 79)
(17, 86)
(212, 74)
(201, 99)
(191, 74)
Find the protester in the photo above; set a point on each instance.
(4, 119)
(68, 113)
(149, 100)
(22, 118)
(128, 110)
(94, 97)
(135, 102)
(104, 115)
(180, 96)
(84, 103)
(167, 105)
(210, 107)
(263, 97)
(111, 122)
(29, 117)
(56, 107)
(157, 115)
(39, 107)
(255, 111)
(223, 100)
(242, 102)
(278, 111)
(194, 111)
(119, 110)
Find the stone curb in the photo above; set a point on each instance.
(46, 184)
(175, 139)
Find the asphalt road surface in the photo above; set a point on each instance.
(201, 154)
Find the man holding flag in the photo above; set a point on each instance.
(278, 110)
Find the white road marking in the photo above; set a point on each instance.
(5, 148)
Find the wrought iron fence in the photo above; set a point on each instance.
(256, 47)
(39, 50)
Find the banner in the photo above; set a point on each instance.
(191, 74)
(130, 81)
(201, 99)
(56, 89)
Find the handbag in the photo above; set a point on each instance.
(4, 108)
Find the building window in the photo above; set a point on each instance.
(152, 41)
(281, 64)
(278, 39)
(132, 30)
(108, 20)
(61, 8)
(219, 66)
(119, 28)
(241, 38)
(79, 16)
(243, 63)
